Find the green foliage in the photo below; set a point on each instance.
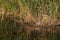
(10, 4)
(11, 26)
(34, 5)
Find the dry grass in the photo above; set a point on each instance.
(28, 20)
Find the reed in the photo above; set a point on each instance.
(28, 19)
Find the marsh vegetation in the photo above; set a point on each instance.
(29, 19)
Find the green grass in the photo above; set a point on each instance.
(17, 13)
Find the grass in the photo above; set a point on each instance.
(19, 19)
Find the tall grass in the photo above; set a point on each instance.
(20, 19)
